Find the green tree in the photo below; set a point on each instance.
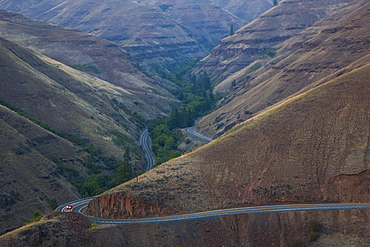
(127, 156)
(95, 185)
(233, 83)
(123, 174)
(232, 30)
(37, 215)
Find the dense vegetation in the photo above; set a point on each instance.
(196, 97)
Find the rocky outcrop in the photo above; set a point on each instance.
(119, 206)
(252, 41)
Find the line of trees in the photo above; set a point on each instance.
(196, 97)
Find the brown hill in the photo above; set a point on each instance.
(95, 56)
(59, 126)
(54, 229)
(29, 179)
(60, 100)
(313, 57)
(252, 41)
(311, 148)
(159, 35)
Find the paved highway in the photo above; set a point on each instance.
(80, 204)
(192, 132)
(145, 144)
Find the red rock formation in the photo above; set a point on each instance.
(119, 206)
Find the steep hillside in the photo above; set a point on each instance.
(29, 178)
(252, 41)
(313, 57)
(62, 131)
(54, 229)
(311, 148)
(94, 56)
(162, 35)
(60, 100)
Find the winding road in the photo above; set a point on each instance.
(82, 203)
(191, 131)
(145, 144)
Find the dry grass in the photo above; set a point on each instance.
(306, 60)
(299, 151)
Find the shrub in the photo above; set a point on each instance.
(315, 225)
(53, 204)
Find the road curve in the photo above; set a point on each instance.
(80, 204)
(145, 144)
(191, 131)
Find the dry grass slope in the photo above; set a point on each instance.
(320, 52)
(313, 148)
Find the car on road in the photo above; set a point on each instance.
(69, 208)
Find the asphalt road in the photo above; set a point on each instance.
(145, 144)
(80, 204)
(192, 132)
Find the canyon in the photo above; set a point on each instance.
(159, 36)
(291, 128)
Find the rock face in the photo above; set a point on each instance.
(315, 56)
(252, 41)
(159, 35)
(124, 207)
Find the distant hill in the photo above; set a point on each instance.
(158, 35)
(94, 56)
(247, 10)
(252, 41)
(312, 57)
